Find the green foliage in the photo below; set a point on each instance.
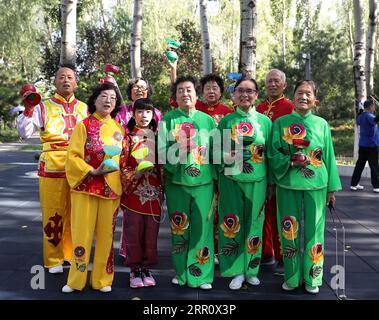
(7, 134)
(343, 138)
(190, 51)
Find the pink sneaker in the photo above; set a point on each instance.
(136, 279)
(148, 279)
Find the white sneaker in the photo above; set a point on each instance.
(106, 289)
(57, 269)
(312, 290)
(376, 190)
(357, 187)
(67, 289)
(206, 286)
(175, 280)
(286, 287)
(254, 281)
(237, 282)
(216, 258)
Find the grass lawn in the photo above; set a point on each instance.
(343, 139)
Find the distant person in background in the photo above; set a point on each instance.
(368, 146)
(275, 106)
(55, 118)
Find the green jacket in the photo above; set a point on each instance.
(322, 172)
(192, 166)
(250, 135)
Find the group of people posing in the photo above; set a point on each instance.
(237, 181)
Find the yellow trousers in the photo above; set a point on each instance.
(89, 215)
(55, 204)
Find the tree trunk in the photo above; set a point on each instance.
(359, 64)
(284, 33)
(206, 51)
(135, 42)
(248, 40)
(371, 46)
(68, 42)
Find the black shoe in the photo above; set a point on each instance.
(267, 261)
(279, 269)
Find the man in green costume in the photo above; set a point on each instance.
(185, 145)
(302, 160)
(242, 186)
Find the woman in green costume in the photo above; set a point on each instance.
(305, 172)
(185, 145)
(242, 184)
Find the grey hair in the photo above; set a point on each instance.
(281, 73)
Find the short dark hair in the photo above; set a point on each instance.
(184, 79)
(368, 103)
(246, 77)
(143, 104)
(68, 66)
(97, 91)
(131, 84)
(309, 82)
(212, 77)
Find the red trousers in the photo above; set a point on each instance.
(141, 239)
(271, 242)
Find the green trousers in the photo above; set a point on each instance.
(241, 216)
(191, 217)
(290, 204)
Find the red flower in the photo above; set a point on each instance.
(294, 131)
(179, 223)
(230, 225)
(300, 143)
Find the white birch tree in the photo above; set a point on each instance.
(135, 40)
(206, 50)
(68, 42)
(371, 46)
(359, 65)
(248, 40)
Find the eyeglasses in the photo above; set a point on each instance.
(136, 88)
(105, 97)
(242, 90)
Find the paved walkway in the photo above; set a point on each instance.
(20, 249)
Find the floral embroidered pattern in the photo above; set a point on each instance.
(199, 154)
(295, 131)
(117, 136)
(202, 256)
(253, 245)
(184, 133)
(147, 192)
(230, 225)
(242, 129)
(179, 223)
(316, 253)
(290, 227)
(257, 153)
(317, 256)
(315, 157)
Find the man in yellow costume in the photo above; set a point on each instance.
(55, 118)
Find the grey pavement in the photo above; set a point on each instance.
(21, 249)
